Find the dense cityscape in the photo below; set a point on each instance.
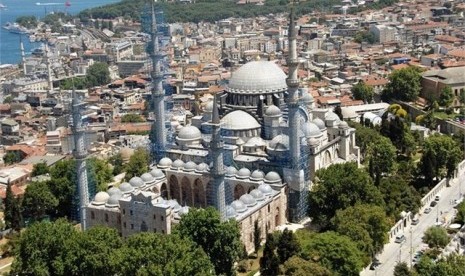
(235, 137)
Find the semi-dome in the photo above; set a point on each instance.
(279, 143)
(343, 125)
(243, 173)
(255, 142)
(257, 175)
(178, 163)
(230, 212)
(189, 133)
(157, 173)
(147, 178)
(331, 116)
(113, 201)
(100, 198)
(273, 111)
(265, 189)
(231, 171)
(258, 77)
(164, 163)
(313, 142)
(257, 195)
(126, 188)
(248, 200)
(136, 182)
(311, 130)
(190, 166)
(321, 125)
(239, 120)
(113, 191)
(272, 177)
(239, 206)
(202, 167)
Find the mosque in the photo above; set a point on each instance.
(252, 154)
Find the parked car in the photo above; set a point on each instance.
(415, 221)
(400, 238)
(437, 198)
(433, 203)
(417, 257)
(427, 210)
(375, 264)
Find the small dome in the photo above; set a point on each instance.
(113, 201)
(230, 212)
(113, 191)
(272, 177)
(178, 163)
(165, 162)
(157, 173)
(311, 130)
(202, 167)
(100, 198)
(279, 143)
(243, 173)
(265, 189)
(126, 188)
(255, 142)
(231, 171)
(321, 125)
(273, 110)
(239, 120)
(248, 200)
(331, 116)
(136, 182)
(190, 166)
(189, 133)
(257, 195)
(343, 125)
(147, 178)
(257, 175)
(239, 206)
(208, 107)
(306, 97)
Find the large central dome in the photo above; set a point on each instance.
(258, 77)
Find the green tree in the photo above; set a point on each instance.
(436, 237)
(447, 96)
(117, 162)
(132, 118)
(220, 240)
(76, 83)
(101, 172)
(287, 246)
(404, 84)
(38, 200)
(138, 163)
(425, 266)
(28, 21)
(40, 169)
(365, 219)
(382, 155)
(363, 92)
(450, 266)
(98, 74)
(8, 99)
(365, 137)
(13, 217)
(336, 252)
(399, 196)
(269, 263)
(296, 266)
(158, 254)
(12, 157)
(330, 191)
(256, 236)
(461, 213)
(63, 186)
(401, 269)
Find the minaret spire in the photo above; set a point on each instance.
(49, 68)
(158, 135)
(217, 169)
(23, 56)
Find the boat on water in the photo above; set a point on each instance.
(2, 7)
(15, 28)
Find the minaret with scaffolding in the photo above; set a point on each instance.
(217, 170)
(294, 173)
(158, 132)
(23, 55)
(80, 154)
(49, 68)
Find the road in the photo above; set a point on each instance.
(393, 252)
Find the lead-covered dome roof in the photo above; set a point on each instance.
(258, 77)
(189, 133)
(239, 120)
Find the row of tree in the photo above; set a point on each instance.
(450, 266)
(98, 74)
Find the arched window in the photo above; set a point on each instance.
(238, 191)
(143, 227)
(186, 192)
(199, 194)
(174, 188)
(164, 191)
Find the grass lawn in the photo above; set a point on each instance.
(444, 115)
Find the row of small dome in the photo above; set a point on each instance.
(177, 164)
(248, 200)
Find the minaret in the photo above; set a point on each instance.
(23, 56)
(49, 68)
(158, 133)
(294, 173)
(217, 170)
(80, 154)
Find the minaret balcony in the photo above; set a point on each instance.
(293, 62)
(292, 82)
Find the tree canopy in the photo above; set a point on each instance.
(40, 169)
(363, 92)
(329, 193)
(382, 157)
(296, 266)
(12, 212)
(138, 163)
(132, 118)
(38, 200)
(447, 97)
(436, 237)
(220, 240)
(98, 74)
(399, 196)
(404, 84)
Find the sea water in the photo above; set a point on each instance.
(9, 43)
